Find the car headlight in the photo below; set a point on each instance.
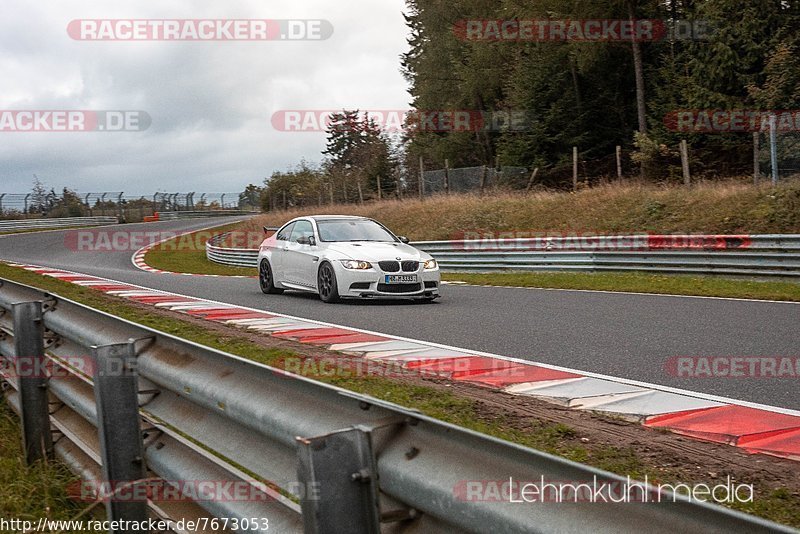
(430, 264)
(356, 265)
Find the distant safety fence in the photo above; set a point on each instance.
(750, 255)
(128, 208)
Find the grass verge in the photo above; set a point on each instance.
(778, 504)
(31, 492)
(636, 282)
(729, 207)
(187, 254)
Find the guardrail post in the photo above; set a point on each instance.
(339, 479)
(119, 431)
(1, 203)
(30, 367)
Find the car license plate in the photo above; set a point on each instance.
(401, 278)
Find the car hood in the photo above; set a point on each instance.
(374, 252)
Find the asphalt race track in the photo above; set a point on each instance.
(624, 335)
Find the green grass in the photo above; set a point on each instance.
(780, 505)
(187, 254)
(706, 286)
(31, 492)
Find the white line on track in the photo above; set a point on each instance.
(737, 299)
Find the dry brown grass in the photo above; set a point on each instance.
(731, 207)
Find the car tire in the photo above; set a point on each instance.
(326, 284)
(266, 280)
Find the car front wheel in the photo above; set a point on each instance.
(266, 280)
(326, 284)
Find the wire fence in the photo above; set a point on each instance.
(470, 179)
(664, 164)
(129, 208)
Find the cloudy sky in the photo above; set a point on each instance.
(210, 102)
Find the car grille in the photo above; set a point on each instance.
(407, 266)
(410, 266)
(398, 288)
(389, 266)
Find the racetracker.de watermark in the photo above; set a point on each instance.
(64, 367)
(69, 120)
(405, 120)
(107, 240)
(587, 240)
(200, 29)
(350, 367)
(732, 121)
(160, 490)
(735, 367)
(585, 30)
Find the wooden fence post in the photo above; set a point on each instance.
(421, 178)
(446, 177)
(532, 178)
(574, 168)
(756, 151)
(687, 178)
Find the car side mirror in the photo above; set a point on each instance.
(403, 239)
(307, 240)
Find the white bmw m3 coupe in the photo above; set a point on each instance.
(341, 256)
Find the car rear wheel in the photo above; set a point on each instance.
(326, 284)
(266, 280)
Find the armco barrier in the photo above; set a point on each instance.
(238, 257)
(757, 255)
(174, 215)
(38, 224)
(155, 406)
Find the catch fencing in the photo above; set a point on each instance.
(327, 460)
(129, 208)
(472, 179)
(757, 255)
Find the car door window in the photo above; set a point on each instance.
(285, 232)
(301, 229)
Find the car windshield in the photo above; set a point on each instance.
(353, 230)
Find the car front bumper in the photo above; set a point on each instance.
(370, 283)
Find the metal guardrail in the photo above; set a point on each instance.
(173, 215)
(154, 405)
(237, 257)
(36, 224)
(757, 255)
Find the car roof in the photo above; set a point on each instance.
(339, 217)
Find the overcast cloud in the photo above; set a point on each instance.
(210, 102)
